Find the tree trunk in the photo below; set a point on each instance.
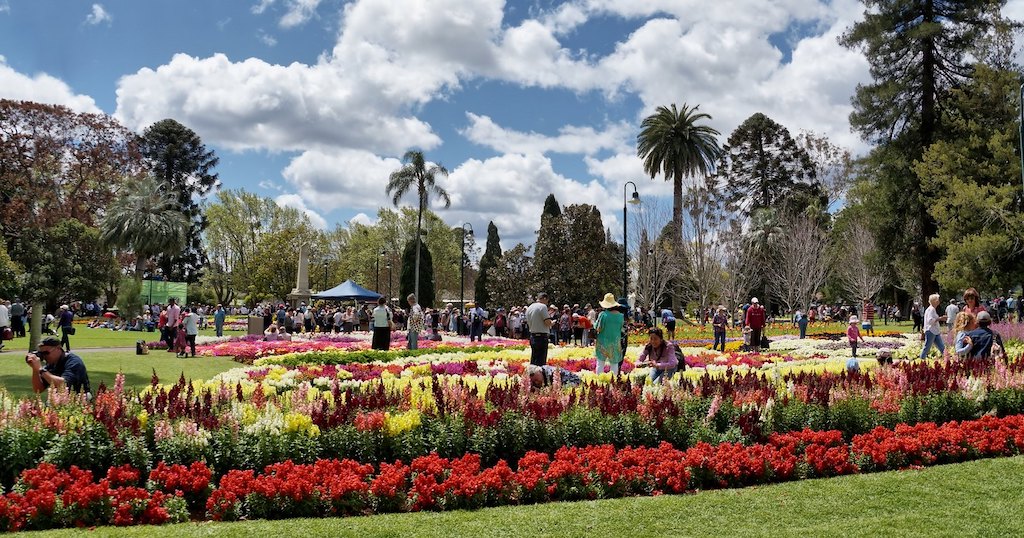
(677, 208)
(140, 266)
(419, 241)
(929, 229)
(35, 325)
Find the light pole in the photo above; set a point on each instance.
(389, 281)
(325, 277)
(382, 254)
(462, 265)
(625, 204)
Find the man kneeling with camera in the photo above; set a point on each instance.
(60, 369)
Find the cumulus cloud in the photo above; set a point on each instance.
(570, 138)
(266, 38)
(5, 7)
(41, 88)
(360, 102)
(362, 218)
(510, 190)
(296, 201)
(98, 15)
(343, 179)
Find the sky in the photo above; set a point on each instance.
(314, 102)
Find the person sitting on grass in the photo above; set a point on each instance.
(660, 354)
(544, 376)
(62, 369)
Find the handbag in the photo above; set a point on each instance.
(69, 330)
(8, 334)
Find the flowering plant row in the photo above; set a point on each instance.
(236, 426)
(45, 497)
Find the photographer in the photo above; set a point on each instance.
(61, 368)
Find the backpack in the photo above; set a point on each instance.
(681, 367)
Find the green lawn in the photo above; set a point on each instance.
(85, 337)
(981, 498)
(103, 365)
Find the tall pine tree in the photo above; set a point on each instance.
(492, 254)
(918, 51)
(764, 167)
(183, 165)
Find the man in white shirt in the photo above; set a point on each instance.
(951, 312)
(539, 324)
(190, 322)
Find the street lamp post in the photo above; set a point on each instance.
(382, 253)
(462, 265)
(634, 200)
(389, 281)
(325, 277)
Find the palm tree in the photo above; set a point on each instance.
(146, 220)
(415, 174)
(672, 143)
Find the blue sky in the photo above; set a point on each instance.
(313, 101)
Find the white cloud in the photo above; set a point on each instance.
(5, 7)
(296, 201)
(570, 139)
(360, 101)
(98, 15)
(341, 179)
(364, 219)
(254, 104)
(297, 12)
(266, 38)
(41, 88)
(510, 190)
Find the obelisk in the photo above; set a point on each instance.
(301, 292)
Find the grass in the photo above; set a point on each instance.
(980, 498)
(103, 365)
(86, 338)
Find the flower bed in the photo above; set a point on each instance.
(47, 498)
(460, 409)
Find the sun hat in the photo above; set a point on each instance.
(609, 301)
(753, 301)
(854, 319)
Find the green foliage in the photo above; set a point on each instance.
(673, 142)
(129, 298)
(492, 254)
(918, 54)
(549, 261)
(507, 281)
(765, 168)
(146, 220)
(11, 274)
(426, 296)
(973, 182)
(90, 448)
(415, 174)
(184, 166)
(68, 262)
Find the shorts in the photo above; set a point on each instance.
(865, 326)
(670, 325)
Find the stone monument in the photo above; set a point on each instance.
(301, 292)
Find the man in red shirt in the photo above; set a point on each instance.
(755, 320)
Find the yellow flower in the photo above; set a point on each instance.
(143, 419)
(402, 422)
(300, 423)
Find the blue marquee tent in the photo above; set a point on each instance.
(348, 291)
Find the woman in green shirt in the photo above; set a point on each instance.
(609, 333)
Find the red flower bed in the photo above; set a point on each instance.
(46, 497)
